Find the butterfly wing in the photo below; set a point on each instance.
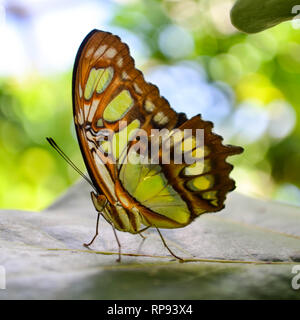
(111, 96)
(107, 89)
(178, 193)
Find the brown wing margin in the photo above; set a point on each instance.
(219, 169)
(75, 67)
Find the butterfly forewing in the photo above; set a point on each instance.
(106, 89)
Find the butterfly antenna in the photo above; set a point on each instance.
(54, 145)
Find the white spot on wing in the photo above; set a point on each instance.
(89, 52)
(110, 53)
(161, 119)
(93, 109)
(125, 75)
(137, 89)
(86, 110)
(164, 120)
(91, 145)
(120, 62)
(80, 117)
(80, 90)
(149, 106)
(100, 51)
(105, 176)
(89, 135)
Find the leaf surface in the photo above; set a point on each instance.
(253, 16)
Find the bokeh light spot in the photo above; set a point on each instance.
(175, 42)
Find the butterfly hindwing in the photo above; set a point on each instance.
(183, 191)
(204, 183)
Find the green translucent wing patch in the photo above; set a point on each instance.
(98, 80)
(118, 146)
(118, 107)
(201, 183)
(148, 185)
(197, 168)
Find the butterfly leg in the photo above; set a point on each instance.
(142, 230)
(142, 236)
(118, 241)
(165, 244)
(100, 203)
(96, 234)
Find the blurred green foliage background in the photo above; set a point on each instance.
(248, 85)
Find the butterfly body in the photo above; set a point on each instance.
(113, 105)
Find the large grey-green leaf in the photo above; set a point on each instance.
(256, 15)
(246, 251)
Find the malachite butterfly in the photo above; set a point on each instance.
(112, 104)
